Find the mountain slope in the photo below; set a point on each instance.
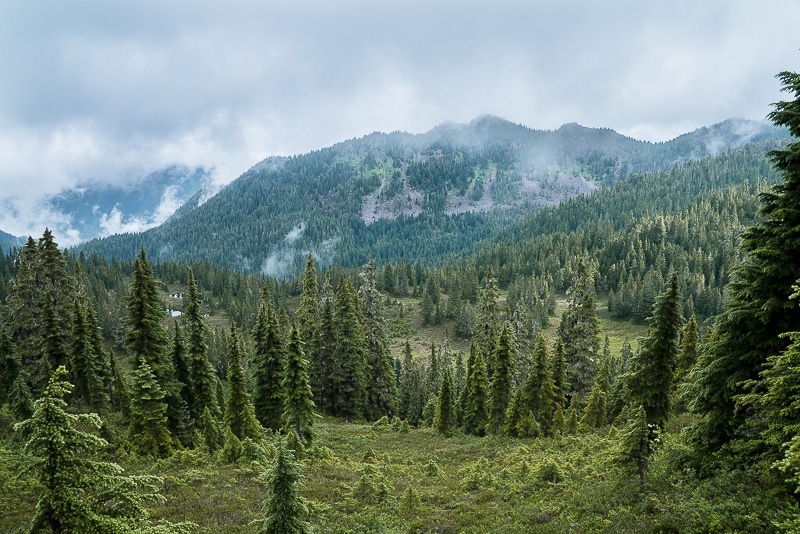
(403, 197)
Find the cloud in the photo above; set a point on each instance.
(99, 92)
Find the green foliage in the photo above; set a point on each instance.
(79, 493)
(475, 410)
(500, 390)
(269, 399)
(240, 415)
(638, 441)
(299, 406)
(148, 430)
(283, 510)
(444, 419)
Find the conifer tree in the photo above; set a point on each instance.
(239, 412)
(488, 321)
(308, 312)
(578, 332)
(184, 428)
(406, 383)
(321, 366)
(284, 508)
(433, 378)
(560, 384)
(79, 493)
(24, 313)
(87, 366)
(444, 419)
(653, 367)
(688, 347)
(299, 402)
(203, 378)
(212, 434)
(270, 361)
(20, 398)
(637, 442)
(503, 379)
(381, 391)
(349, 356)
(148, 430)
(757, 306)
(147, 340)
(595, 412)
(120, 392)
(538, 390)
(476, 405)
(10, 365)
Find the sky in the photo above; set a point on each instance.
(99, 91)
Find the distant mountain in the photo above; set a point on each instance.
(403, 197)
(97, 210)
(8, 241)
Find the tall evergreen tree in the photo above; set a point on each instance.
(349, 356)
(203, 378)
(637, 443)
(538, 390)
(444, 419)
(308, 311)
(284, 508)
(690, 341)
(321, 367)
(381, 391)
(503, 379)
(270, 361)
(20, 398)
(476, 405)
(299, 401)
(239, 412)
(79, 493)
(88, 367)
(579, 330)
(10, 365)
(184, 428)
(652, 371)
(488, 327)
(149, 428)
(757, 306)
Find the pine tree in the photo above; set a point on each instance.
(284, 509)
(79, 493)
(381, 391)
(476, 405)
(578, 332)
(203, 378)
(349, 356)
(538, 390)
(637, 442)
(299, 402)
(148, 430)
(239, 412)
(444, 419)
(653, 367)
(270, 362)
(757, 305)
(503, 379)
(10, 365)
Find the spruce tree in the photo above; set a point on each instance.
(757, 305)
(476, 405)
(212, 434)
(79, 493)
(149, 429)
(637, 443)
(309, 309)
(321, 367)
(239, 412)
(299, 406)
(579, 330)
(348, 375)
(690, 341)
(203, 378)
(560, 384)
(20, 398)
(538, 390)
(88, 368)
(503, 379)
(184, 429)
(284, 508)
(652, 371)
(595, 412)
(10, 365)
(270, 361)
(444, 419)
(381, 391)
(488, 321)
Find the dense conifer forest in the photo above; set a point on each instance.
(624, 361)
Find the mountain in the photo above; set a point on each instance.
(404, 197)
(97, 210)
(8, 241)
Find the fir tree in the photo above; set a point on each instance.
(688, 347)
(757, 306)
(212, 435)
(476, 405)
(637, 442)
(321, 368)
(183, 381)
(538, 390)
(284, 508)
(120, 396)
(270, 362)
(349, 356)
(239, 412)
(78, 493)
(578, 332)
(653, 367)
(444, 419)
(596, 410)
(203, 378)
(10, 365)
(560, 384)
(503, 379)
(149, 430)
(20, 398)
(381, 391)
(488, 321)
(299, 403)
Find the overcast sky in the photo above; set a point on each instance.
(108, 91)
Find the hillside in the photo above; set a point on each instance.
(401, 197)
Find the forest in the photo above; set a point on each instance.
(623, 361)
